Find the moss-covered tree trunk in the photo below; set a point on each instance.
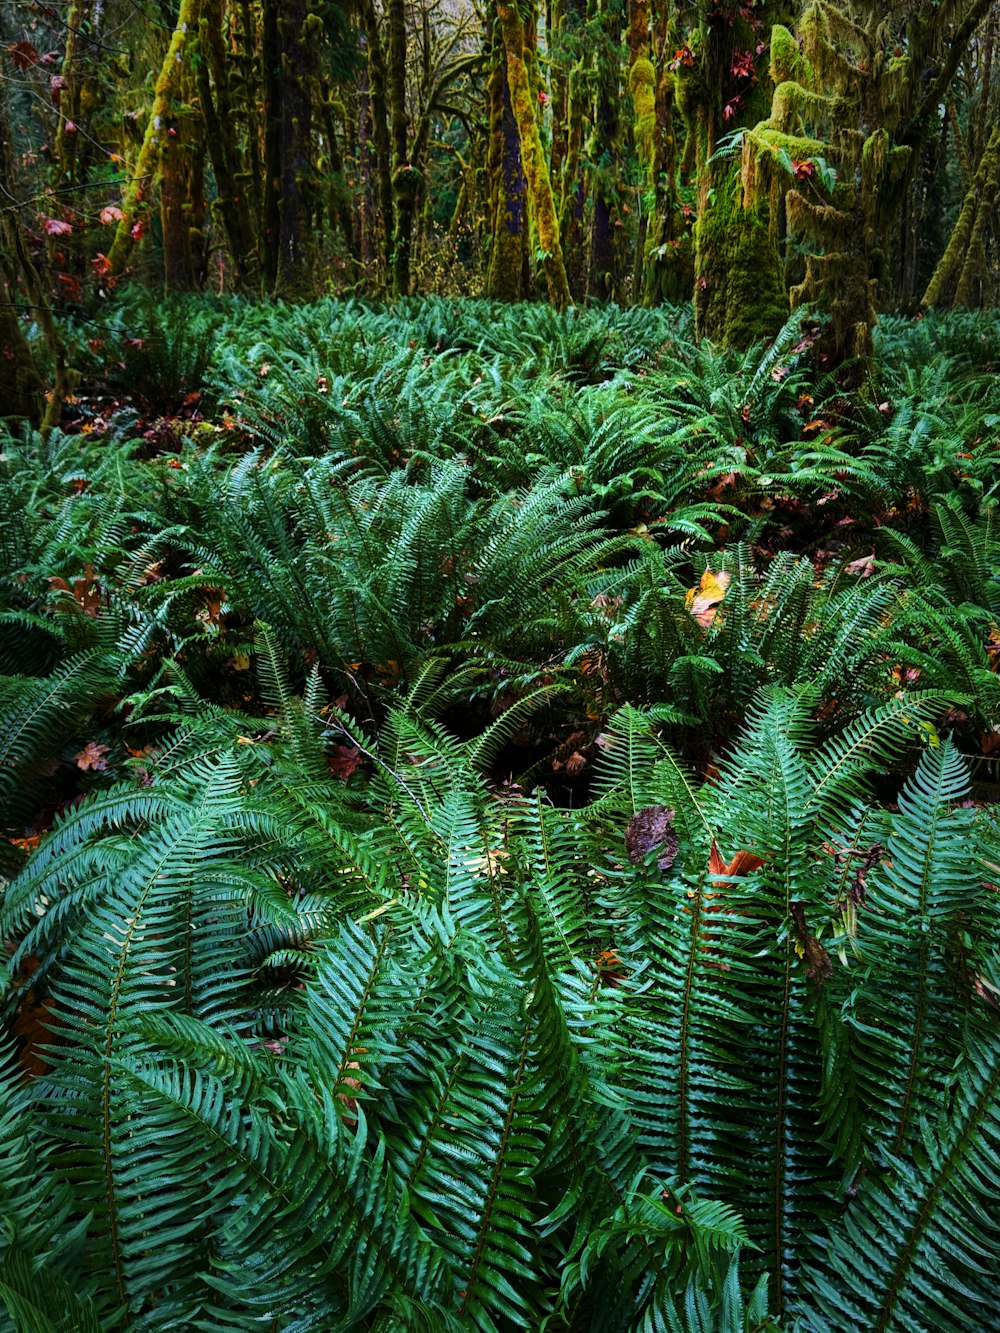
(667, 253)
(739, 287)
(405, 179)
(18, 270)
(378, 80)
(299, 32)
(536, 168)
(215, 95)
(641, 86)
(168, 84)
(604, 154)
(270, 225)
(572, 185)
(78, 95)
(505, 273)
(177, 179)
(22, 393)
(952, 281)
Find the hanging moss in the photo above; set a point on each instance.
(739, 296)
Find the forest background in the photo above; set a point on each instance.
(747, 156)
(499, 666)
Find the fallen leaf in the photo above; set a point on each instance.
(743, 863)
(343, 760)
(703, 601)
(652, 829)
(863, 568)
(818, 965)
(91, 757)
(27, 845)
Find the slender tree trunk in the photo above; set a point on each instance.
(604, 151)
(22, 393)
(572, 195)
(78, 96)
(217, 109)
(273, 86)
(180, 148)
(507, 184)
(377, 93)
(956, 266)
(405, 178)
(299, 30)
(536, 170)
(167, 85)
(17, 376)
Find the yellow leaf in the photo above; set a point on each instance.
(703, 601)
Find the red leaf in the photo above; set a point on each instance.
(56, 227)
(22, 54)
(343, 761)
(111, 214)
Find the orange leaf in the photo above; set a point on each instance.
(743, 863)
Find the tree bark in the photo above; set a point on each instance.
(507, 184)
(167, 85)
(536, 170)
(299, 30)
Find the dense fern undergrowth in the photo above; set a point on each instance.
(499, 827)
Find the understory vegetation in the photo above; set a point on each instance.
(499, 826)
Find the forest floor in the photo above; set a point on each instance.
(478, 636)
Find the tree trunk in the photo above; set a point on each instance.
(18, 379)
(536, 170)
(167, 85)
(507, 185)
(739, 288)
(299, 31)
(377, 95)
(216, 105)
(604, 148)
(22, 393)
(405, 180)
(955, 267)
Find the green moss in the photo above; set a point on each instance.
(787, 61)
(642, 84)
(739, 294)
(533, 159)
(792, 102)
